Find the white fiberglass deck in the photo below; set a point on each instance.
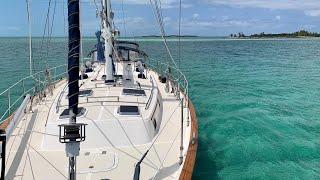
(114, 143)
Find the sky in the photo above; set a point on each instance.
(136, 17)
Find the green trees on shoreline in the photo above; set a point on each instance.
(301, 33)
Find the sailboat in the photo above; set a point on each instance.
(116, 118)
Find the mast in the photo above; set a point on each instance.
(107, 36)
(72, 148)
(73, 57)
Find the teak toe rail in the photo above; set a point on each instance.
(190, 159)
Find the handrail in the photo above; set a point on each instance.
(178, 78)
(14, 95)
(59, 99)
(149, 100)
(181, 75)
(151, 94)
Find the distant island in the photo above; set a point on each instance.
(170, 36)
(298, 34)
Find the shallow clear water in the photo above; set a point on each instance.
(257, 102)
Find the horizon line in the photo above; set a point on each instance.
(144, 36)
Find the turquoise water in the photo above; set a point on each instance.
(258, 102)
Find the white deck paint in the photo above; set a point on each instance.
(114, 143)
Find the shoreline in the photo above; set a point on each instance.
(298, 37)
(187, 39)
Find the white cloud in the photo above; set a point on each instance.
(309, 26)
(165, 4)
(215, 24)
(138, 21)
(313, 13)
(225, 18)
(185, 5)
(13, 28)
(270, 4)
(195, 16)
(166, 19)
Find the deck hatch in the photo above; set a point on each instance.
(129, 110)
(133, 92)
(65, 113)
(85, 93)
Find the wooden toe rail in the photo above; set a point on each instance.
(190, 159)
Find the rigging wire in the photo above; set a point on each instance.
(30, 35)
(97, 7)
(48, 30)
(162, 23)
(124, 21)
(166, 154)
(45, 30)
(47, 38)
(179, 44)
(81, 42)
(144, 124)
(53, 18)
(51, 30)
(157, 13)
(65, 33)
(161, 130)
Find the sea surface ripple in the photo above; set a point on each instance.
(257, 102)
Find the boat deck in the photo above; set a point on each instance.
(114, 142)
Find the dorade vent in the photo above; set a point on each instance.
(65, 113)
(85, 93)
(133, 92)
(129, 110)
